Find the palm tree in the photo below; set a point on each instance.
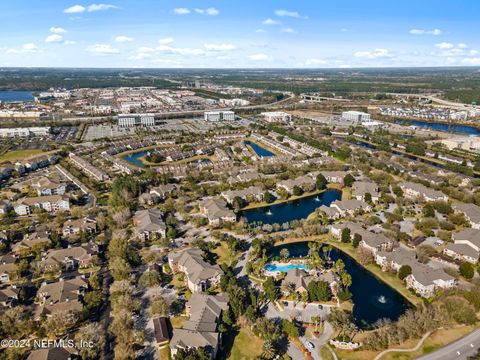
(346, 279)
(326, 251)
(284, 253)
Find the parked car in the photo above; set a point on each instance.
(310, 345)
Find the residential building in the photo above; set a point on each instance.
(216, 211)
(466, 245)
(46, 186)
(305, 182)
(68, 259)
(161, 191)
(86, 225)
(50, 203)
(88, 168)
(200, 275)
(7, 266)
(149, 223)
(201, 328)
(61, 296)
(252, 193)
(471, 212)
(426, 280)
(415, 190)
(334, 176)
(361, 188)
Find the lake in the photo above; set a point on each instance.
(259, 150)
(14, 96)
(451, 128)
(292, 210)
(372, 298)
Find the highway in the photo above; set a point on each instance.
(460, 349)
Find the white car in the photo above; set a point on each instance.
(310, 345)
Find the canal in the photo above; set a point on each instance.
(373, 299)
(291, 210)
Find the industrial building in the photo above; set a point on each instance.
(219, 116)
(130, 120)
(25, 132)
(355, 116)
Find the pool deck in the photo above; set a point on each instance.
(293, 264)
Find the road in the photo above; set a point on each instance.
(460, 349)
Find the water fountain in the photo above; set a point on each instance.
(382, 299)
(317, 199)
(269, 212)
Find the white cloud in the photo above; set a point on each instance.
(270, 22)
(314, 61)
(165, 41)
(343, 29)
(102, 49)
(123, 39)
(210, 11)
(54, 38)
(101, 7)
(259, 31)
(444, 45)
(374, 54)
(69, 42)
(220, 47)
(181, 11)
(259, 57)
(26, 48)
(57, 30)
(75, 9)
(180, 51)
(473, 52)
(289, 30)
(434, 32)
(287, 13)
(344, 66)
(462, 45)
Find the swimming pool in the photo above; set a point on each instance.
(284, 268)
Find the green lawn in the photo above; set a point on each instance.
(15, 155)
(246, 346)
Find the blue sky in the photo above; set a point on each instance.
(234, 33)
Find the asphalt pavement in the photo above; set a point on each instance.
(459, 350)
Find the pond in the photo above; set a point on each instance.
(291, 210)
(451, 128)
(372, 298)
(134, 157)
(259, 150)
(14, 96)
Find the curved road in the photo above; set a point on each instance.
(459, 350)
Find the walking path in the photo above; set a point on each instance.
(405, 350)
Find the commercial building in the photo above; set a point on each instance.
(355, 116)
(130, 120)
(277, 116)
(219, 116)
(25, 132)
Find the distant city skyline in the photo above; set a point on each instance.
(239, 34)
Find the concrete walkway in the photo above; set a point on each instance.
(424, 337)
